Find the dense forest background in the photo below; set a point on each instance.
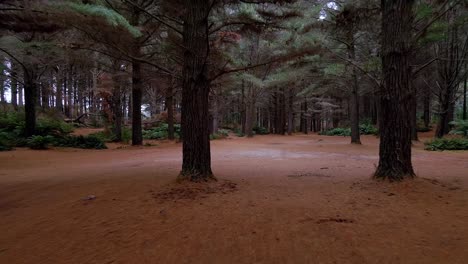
(194, 69)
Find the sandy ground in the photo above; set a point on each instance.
(280, 199)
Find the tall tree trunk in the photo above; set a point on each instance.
(464, 99)
(396, 92)
(69, 87)
(414, 118)
(30, 99)
(137, 92)
(196, 161)
(117, 113)
(355, 131)
(20, 95)
(446, 114)
(249, 116)
(427, 109)
(14, 85)
(290, 111)
(170, 111)
(215, 114)
(59, 92)
(306, 126)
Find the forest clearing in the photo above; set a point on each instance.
(234, 131)
(299, 199)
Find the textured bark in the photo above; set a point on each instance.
(14, 85)
(427, 109)
(170, 111)
(117, 112)
(291, 111)
(354, 114)
(396, 94)
(137, 85)
(30, 98)
(20, 95)
(464, 99)
(196, 161)
(137, 93)
(355, 131)
(414, 118)
(59, 92)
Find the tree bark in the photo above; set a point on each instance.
(396, 92)
(464, 99)
(196, 161)
(170, 111)
(20, 95)
(355, 131)
(427, 109)
(137, 92)
(30, 98)
(14, 85)
(59, 91)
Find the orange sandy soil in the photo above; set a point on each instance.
(280, 199)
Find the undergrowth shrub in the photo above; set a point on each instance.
(364, 129)
(161, 132)
(84, 142)
(259, 130)
(222, 133)
(339, 131)
(447, 144)
(5, 141)
(460, 128)
(39, 142)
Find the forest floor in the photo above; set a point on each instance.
(279, 199)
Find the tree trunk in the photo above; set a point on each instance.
(306, 126)
(427, 109)
(396, 94)
(446, 114)
(196, 161)
(14, 85)
(215, 115)
(355, 131)
(59, 92)
(30, 98)
(249, 117)
(170, 111)
(290, 112)
(137, 92)
(20, 95)
(414, 118)
(464, 99)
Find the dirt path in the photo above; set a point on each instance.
(300, 199)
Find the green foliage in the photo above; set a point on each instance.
(238, 132)
(6, 141)
(49, 126)
(461, 128)
(368, 129)
(84, 142)
(49, 131)
(364, 129)
(222, 133)
(105, 136)
(161, 132)
(126, 135)
(112, 17)
(447, 144)
(39, 142)
(339, 131)
(259, 130)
